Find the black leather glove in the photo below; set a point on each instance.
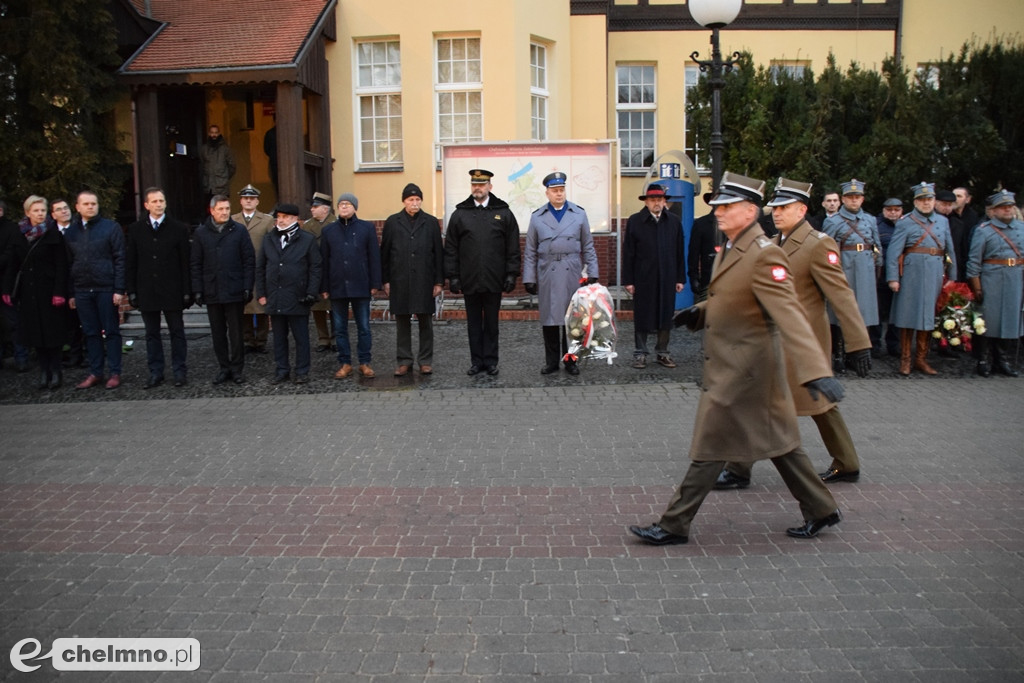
(688, 317)
(309, 300)
(530, 287)
(829, 387)
(454, 286)
(861, 361)
(133, 300)
(591, 280)
(248, 296)
(199, 299)
(510, 284)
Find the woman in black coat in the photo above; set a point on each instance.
(36, 284)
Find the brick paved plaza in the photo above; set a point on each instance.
(476, 531)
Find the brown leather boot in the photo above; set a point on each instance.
(923, 340)
(906, 341)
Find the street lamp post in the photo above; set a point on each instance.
(715, 14)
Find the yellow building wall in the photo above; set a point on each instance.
(505, 30)
(933, 30)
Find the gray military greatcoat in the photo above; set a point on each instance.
(1002, 285)
(554, 257)
(857, 237)
(913, 307)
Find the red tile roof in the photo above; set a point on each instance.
(225, 34)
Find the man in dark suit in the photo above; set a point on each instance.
(223, 274)
(746, 410)
(158, 281)
(287, 283)
(701, 253)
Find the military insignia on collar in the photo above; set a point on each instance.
(833, 258)
(763, 242)
(779, 273)
(497, 217)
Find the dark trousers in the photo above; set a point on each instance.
(660, 346)
(226, 333)
(76, 340)
(100, 318)
(10, 314)
(403, 339)
(556, 345)
(482, 324)
(834, 434)
(795, 468)
(364, 337)
(155, 348)
(892, 335)
(323, 330)
(298, 325)
(256, 329)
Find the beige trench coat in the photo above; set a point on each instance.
(746, 411)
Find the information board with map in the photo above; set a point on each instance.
(518, 169)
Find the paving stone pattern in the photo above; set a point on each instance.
(475, 531)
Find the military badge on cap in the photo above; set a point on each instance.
(923, 190)
(853, 187)
(1001, 198)
(789, 191)
(738, 188)
(779, 273)
(249, 191)
(479, 176)
(556, 179)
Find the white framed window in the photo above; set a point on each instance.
(458, 83)
(538, 91)
(635, 109)
(793, 69)
(378, 101)
(692, 147)
(928, 74)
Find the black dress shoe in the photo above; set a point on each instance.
(222, 376)
(279, 378)
(322, 348)
(180, 380)
(984, 369)
(1004, 368)
(811, 527)
(728, 480)
(572, 368)
(302, 379)
(548, 369)
(655, 535)
(239, 379)
(474, 370)
(154, 381)
(836, 474)
(492, 370)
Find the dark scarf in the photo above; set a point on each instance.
(31, 232)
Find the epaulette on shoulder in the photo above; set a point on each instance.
(820, 235)
(764, 242)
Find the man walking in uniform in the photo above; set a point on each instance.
(995, 270)
(817, 276)
(257, 224)
(746, 411)
(653, 272)
(482, 260)
(558, 245)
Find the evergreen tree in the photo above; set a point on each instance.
(57, 94)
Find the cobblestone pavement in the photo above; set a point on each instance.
(473, 529)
